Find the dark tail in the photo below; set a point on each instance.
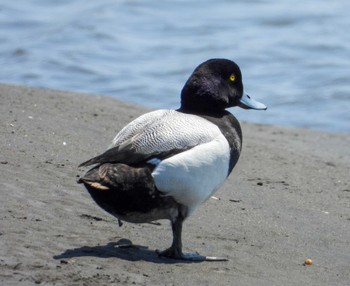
(119, 188)
(117, 176)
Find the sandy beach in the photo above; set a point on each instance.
(287, 200)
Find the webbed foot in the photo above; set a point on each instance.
(173, 253)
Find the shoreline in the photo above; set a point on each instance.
(287, 200)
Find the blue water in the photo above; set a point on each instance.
(294, 55)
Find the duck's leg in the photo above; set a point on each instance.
(175, 250)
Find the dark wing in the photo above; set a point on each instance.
(129, 156)
(113, 155)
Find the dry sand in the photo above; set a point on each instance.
(287, 200)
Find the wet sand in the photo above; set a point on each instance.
(286, 201)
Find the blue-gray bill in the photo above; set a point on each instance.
(247, 102)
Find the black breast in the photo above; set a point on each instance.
(231, 129)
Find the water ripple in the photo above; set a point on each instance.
(295, 58)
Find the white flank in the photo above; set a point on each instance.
(191, 177)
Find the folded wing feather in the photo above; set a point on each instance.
(159, 134)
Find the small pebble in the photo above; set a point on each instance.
(308, 262)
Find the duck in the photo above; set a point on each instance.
(166, 163)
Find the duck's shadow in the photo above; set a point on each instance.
(122, 249)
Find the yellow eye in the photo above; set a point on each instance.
(232, 77)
